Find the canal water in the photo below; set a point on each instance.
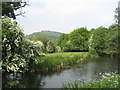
(76, 73)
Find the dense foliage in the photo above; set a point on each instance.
(98, 36)
(63, 42)
(76, 40)
(12, 38)
(101, 41)
(31, 51)
(105, 40)
(44, 39)
(49, 39)
(79, 39)
(18, 54)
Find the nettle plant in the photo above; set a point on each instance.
(17, 52)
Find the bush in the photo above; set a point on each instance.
(50, 47)
(12, 38)
(58, 48)
(31, 51)
(18, 54)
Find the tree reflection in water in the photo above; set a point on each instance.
(15, 80)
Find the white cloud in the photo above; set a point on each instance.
(66, 15)
(108, 19)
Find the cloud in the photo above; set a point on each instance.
(108, 19)
(66, 15)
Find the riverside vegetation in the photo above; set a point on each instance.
(60, 61)
(24, 55)
(108, 80)
(21, 54)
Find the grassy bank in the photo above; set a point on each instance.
(59, 61)
(108, 80)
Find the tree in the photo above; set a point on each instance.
(31, 52)
(117, 15)
(113, 34)
(41, 38)
(68, 46)
(99, 39)
(104, 41)
(58, 48)
(12, 38)
(79, 39)
(112, 39)
(62, 41)
(18, 54)
(50, 47)
(9, 8)
(91, 44)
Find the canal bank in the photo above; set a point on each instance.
(86, 71)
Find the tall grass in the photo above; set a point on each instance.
(108, 80)
(59, 61)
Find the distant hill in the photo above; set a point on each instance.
(45, 33)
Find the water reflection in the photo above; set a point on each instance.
(84, 71)
(27, 80)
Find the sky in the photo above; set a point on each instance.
(67, 15)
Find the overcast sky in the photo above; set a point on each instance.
(67, 15)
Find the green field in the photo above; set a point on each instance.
(59, 61)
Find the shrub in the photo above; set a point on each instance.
(12, 38)
(50, 47)
(58, 48)
(18, 54)
(31, 51)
